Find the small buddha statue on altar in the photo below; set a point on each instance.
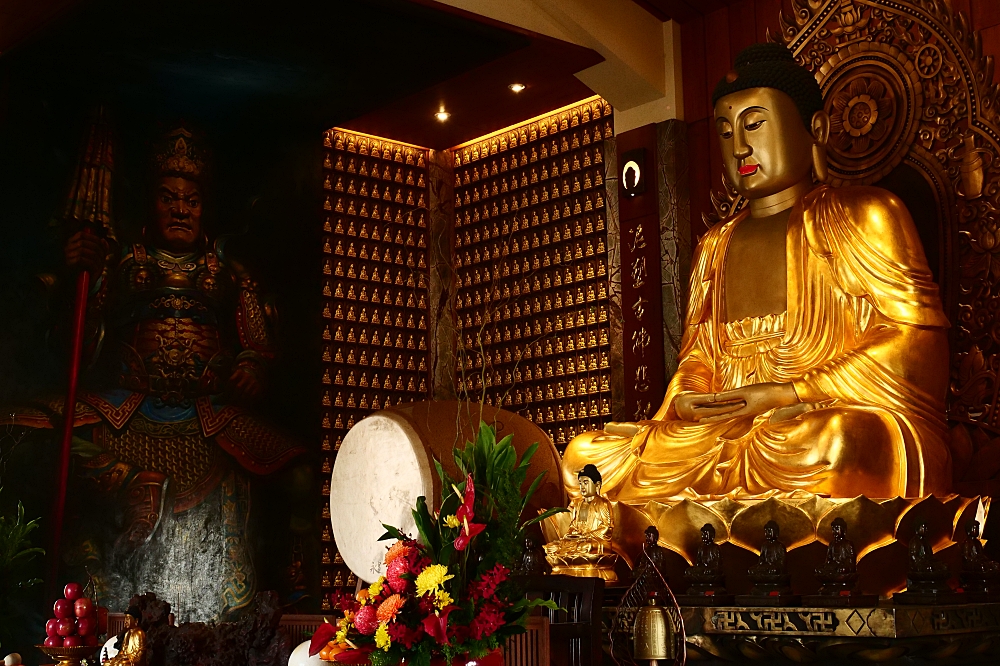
(705, 575)
(771, 581)
(840, 571)
(927, 576)
(979, 573)
(652, 565)
(131, 642)
(533, 560)
(586, 548)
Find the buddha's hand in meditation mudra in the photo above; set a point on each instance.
(815, 351)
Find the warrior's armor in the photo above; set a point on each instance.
(171, 330)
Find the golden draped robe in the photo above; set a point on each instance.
(863, 341)
(132, 651)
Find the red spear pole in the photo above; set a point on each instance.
(89, 207)
(69, 412)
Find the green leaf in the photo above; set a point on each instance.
(531, 489)
(426, 526)
(542, 516)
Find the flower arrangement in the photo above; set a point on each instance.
(447, 593)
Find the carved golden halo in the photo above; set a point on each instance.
(874, 97)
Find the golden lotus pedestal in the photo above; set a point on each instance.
(604, 570)
(880, 529)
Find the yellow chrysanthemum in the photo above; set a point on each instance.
(382, 639)
(442, 599)
(341, 636)
(452, 522)
(431, 578)
(376, 588)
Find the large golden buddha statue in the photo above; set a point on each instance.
(815, 354)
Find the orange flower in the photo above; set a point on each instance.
(398, 549)
(387, 609)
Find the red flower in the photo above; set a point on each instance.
(467, 511)
(394, 575)
(407, 637)
(324, 634)
(486, 586)
(436, 626)
(366, 620)
(467, 533)
(486, 622)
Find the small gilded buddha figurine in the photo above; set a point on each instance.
(840, 571)
(131, 642)
(705, 576)
(815, 352)
(586, 548)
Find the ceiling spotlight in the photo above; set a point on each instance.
(442, 115)
(517, 87)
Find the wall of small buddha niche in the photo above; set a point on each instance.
(531, 256)
(375, 306)
(528, 319)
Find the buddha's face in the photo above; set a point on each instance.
(707, 536)
(973, 531)
(838, 531)
(177, 214)
(588, 489)
(765, 146)
(651, 538)
(770, 532)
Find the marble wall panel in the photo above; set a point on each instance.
(441, 325)
(675, 234)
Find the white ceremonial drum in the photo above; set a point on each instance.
(382, 468)
(386, 462)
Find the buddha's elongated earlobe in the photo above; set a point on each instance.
(821, 170)
(820, 130)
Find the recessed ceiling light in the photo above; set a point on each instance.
(517, 87)
(442, 115)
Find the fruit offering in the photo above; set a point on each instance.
(77, 620)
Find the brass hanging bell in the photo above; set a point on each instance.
(653, 633)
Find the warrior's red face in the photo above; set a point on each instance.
(178, 213)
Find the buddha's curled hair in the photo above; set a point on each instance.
(773, 66)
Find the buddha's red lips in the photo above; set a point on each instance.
(748, 169)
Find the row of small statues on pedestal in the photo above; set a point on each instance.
(927, 576)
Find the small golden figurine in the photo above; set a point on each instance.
(586, 548)
(132, 644)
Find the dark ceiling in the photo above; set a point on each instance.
(298, 65)
(683, 10)
(253, 62)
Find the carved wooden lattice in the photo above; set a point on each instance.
(905, 81)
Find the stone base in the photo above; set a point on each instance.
(587, 571)
(928, 598)
(840, 601)
(770, 601)
(705, 599)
